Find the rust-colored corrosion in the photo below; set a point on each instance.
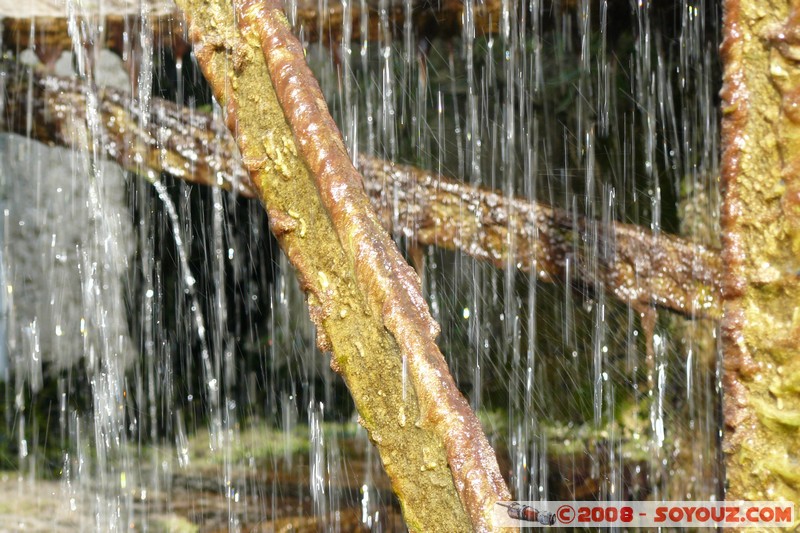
(366, 23)
(360, 21)
(642, 269)
(365, 300)
(428, 19)
(389, 284)
(761, 282)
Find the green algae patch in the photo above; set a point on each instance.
(172, 524)
(769, 411)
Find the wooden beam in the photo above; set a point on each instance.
(640, 268)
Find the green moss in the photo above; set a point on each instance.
(767, 411)
(263, 443)
(172, 524)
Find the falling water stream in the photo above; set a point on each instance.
(158, 366)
